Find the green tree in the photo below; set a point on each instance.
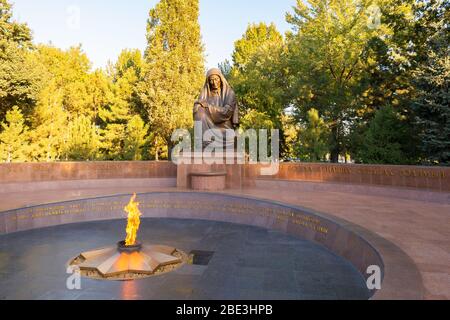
(49, 121)
(384, 140)
(14, 137)
(392, 63)
(396, 67)
(84, 92)
(431, 106)
(69, 91)
(226, 68)
(19, 81)
(257, 74)
(126, 76)
(389, 58)
(326, 61)
(291, 130)
(124, 102)
(255, 120)
(11, 31)
(82, 140)
(135, 138)
(313, 138)
(255, 37)
(173, 72)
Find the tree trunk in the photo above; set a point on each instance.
(335, 145)
(335, 156)
(170, 146)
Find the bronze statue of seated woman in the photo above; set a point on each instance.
(216, 108)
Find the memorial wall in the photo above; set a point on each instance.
(60, 171)
(422, 178)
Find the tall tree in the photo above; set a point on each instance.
(82, 140)
(431, 105)
(124, 102)
(49, 121)
(389, 58)
(257, 74)
(255, 120)
(14, 137)
(18, 33)
(135, 138)
(291, 130)
(69, 90)
(126, 75)
(392, 63)
(325, 61)
(384, 141)
(173, 72)
(313, 138)
(84, 92)
(19, 82)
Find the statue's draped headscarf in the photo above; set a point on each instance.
(227, 95)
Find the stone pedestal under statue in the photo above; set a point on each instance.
(214, 172)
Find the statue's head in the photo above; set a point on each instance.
(214, 79)
(215, 82)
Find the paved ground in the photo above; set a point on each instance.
(248, 263)
(421, 229)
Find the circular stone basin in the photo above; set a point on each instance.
(245, 262)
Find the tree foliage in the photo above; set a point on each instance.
(83, 140)
(14, 137)
(19, 83)
(431, 106)
(123, 104)
(360, 78)
(325, 60)
(173, 72)
(135, 138)
(384, 140)
(257, 75)
(313, 138)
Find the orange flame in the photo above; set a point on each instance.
(133, 221)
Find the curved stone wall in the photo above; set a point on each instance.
(361, 247)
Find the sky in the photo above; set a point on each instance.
(105, 27)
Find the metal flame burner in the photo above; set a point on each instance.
(123, 262)
(122, 247)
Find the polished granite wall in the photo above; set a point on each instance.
(420, 178)
(60, 171)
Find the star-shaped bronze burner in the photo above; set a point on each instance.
(122, 262)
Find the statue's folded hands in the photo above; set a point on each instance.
(202, 103)
(226, 111)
